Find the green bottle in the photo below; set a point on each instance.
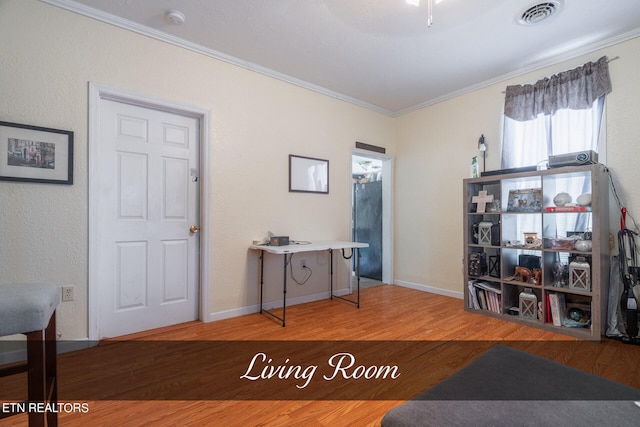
(475, 168)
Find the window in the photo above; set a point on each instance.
(556, 115)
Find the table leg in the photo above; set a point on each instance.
(261, 277)
(331, 271)
(284, 290)
(353, 252)
(358, 274)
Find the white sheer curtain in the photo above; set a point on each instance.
(531, 142)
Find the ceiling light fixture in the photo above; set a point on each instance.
(429, 9)
(175, 16)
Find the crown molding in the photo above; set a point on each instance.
(194, 47)
(538, 65)
(90, 12)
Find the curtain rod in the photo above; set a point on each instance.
(608, 60)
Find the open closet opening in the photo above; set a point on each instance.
(367, 216)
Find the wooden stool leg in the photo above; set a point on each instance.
(42, 387)
(50, 353)
(35, 377)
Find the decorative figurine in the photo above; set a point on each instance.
(482, 199)
(584, 199)
(562, 199)
(526, 275)
(530, 238)
(584, 245)
(523, 273)
(559, 271)
(537, 276)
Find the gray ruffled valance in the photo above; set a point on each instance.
(575, 89)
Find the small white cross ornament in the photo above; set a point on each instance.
(482, 199)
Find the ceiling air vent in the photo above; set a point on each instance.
(539, 12)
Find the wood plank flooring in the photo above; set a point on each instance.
(387, 313)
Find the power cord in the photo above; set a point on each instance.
(309, 271)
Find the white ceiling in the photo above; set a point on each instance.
(378, 53)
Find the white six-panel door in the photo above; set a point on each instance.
(147, 246)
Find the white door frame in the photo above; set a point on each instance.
(98, 92)
(387, 209)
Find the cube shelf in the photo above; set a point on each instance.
(543, 239)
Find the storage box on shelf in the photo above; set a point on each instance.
(536, 248)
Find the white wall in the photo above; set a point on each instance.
(434, 150)
(48, 58)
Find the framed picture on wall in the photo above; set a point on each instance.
(35, 154)
(308, 175)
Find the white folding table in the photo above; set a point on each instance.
(298, 247)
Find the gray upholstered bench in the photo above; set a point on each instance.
(30, 309)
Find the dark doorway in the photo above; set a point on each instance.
(367, 220)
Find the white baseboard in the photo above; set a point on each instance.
(227, 314)
(429, 289)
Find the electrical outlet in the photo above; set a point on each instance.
(68, 293)
(303, 263)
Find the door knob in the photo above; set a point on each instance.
(194, 229)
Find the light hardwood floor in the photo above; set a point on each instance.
(387, 313)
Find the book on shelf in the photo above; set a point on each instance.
(567, 209)
(473, 296)
(557, 304)
(485, 296)
(491, 287)
(493, 301)
(483, 299)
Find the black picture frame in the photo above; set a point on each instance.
(35, 154)
(308, 175)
